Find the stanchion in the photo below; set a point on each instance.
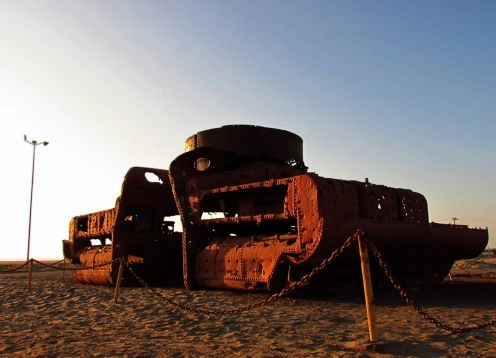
(119, 279)
(367, 288)
(30, 274)
(63, 271)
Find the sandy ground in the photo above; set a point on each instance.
(63, 318)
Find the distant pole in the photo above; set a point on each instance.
(34, 143)
(454, 220)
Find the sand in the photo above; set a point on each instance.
(64, 318)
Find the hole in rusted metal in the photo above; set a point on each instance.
(202, 164)
(172, 224)
(82, 223)
(153, 178)
(213, 215)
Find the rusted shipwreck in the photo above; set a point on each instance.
(253, 217)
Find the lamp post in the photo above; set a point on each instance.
(34, 143)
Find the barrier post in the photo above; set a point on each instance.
(119, 279)
(30, 274)
(367, 288)
(63, 271)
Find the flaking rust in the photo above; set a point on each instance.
(254, 218)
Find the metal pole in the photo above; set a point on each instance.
(31, 199)
(367, 288)
(34, 143)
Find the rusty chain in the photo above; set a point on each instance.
(42, 264)
(79, 268)
(55, 267)
(410, 302)
(45, 265)
(185, 216)
(304, 281)
(15, 269)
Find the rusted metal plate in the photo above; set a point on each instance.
(241, 263)
(251, 141)
(94, 258)
(95, 277)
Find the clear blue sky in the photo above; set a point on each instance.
(401, 92)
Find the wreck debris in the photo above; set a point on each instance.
(254, 218)
(139, 228)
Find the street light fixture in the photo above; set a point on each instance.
(34, 143)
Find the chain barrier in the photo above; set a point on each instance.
(15, 269)
(55, 267)
(410, 302)
(304, 281)
(45, 265)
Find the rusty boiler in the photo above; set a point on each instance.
(254, 218)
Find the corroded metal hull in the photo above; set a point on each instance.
(253, 218)
(252, 223)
